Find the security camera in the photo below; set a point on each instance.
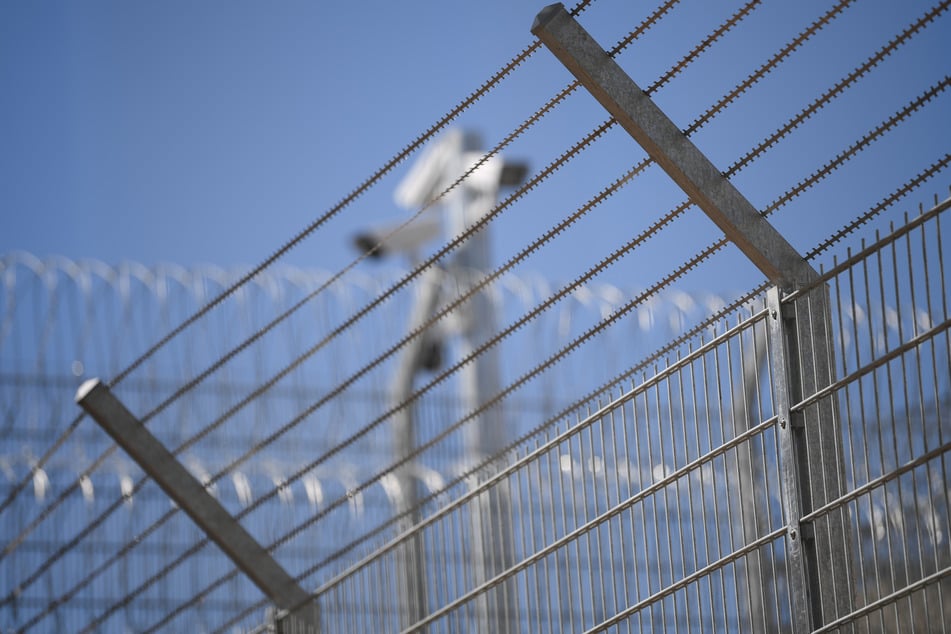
(440, 164)
(383, 240)
(428, 175)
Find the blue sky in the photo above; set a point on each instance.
(212, 132)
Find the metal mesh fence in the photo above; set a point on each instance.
(637, 460)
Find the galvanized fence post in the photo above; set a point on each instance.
(799, 588)
(811, 458)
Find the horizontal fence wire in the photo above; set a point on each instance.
(641, 499)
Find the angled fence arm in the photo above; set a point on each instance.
(670, 148)
(191, 496)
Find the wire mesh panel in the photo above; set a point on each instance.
(891, 326)
(630, 507)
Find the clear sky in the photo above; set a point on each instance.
(211, 132)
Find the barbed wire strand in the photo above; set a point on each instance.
(398, 158)
(617, 314)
